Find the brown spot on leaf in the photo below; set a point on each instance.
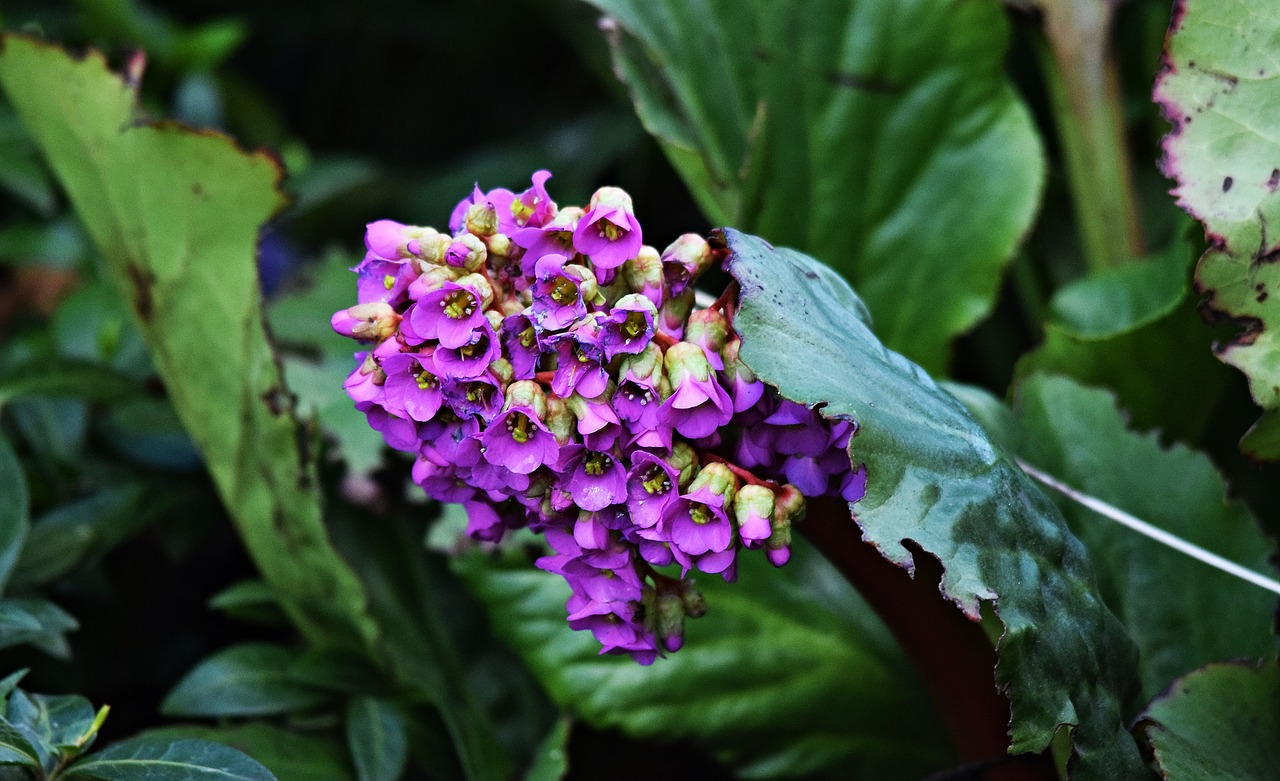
(278, 401)
(141, 280)
(1274, 181)
(1226, 184)
(197, 190)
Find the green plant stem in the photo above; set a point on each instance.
(1084, 90)
(952, 655)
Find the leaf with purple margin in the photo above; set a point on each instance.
(935, 478)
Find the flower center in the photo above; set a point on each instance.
(699, 514)
(478, 392)
(518, 425)
(596, 463)
(480, 346)
(528, 338)
(564, 292)
(388, 281)
(634, 325)
(425, 380)
(656, 480)
(459, 304)
(610, 231)
(563, 238)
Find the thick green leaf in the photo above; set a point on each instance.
(147, 759)
(1218, 724)
(52, 724)
(1121, 327)
(15, 748)
(376, 739)
(244, 680)
(68, 534)
(38, 622)
(249, 600)
(747, 682)
(15, 510)
(880, 136)
(176, 214)
(1221, 90)
(1181, 613)
(551, 762)
(935, 478)
(78, 379)
(290, 756)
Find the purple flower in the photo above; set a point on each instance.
(523, 345)
(698, 405)
(384, 281)
(554, 238)
(474, 397)
(450, 314)
(366, 322)
(484, 522)
(499, 201)
(597, 422)
(533, 207)
(629, 327)
(518, 440)
(412, 388)
(365, 384)
(608, 233)
(397, 432)
(470, 359)
(698, 523)
(595, 479)
(557, 295)
(579, 366)
(652, 484)
(442, 483)
(390, 240)
(753, 510)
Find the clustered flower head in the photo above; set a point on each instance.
(548, 370)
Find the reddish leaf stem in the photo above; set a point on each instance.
(951, 654)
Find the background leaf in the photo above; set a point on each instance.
(15, 510)
(245, 680)
(376, 739)
(934, 478)
(1218, 88)
(147, 759)
(1181, 613)
(745, 684)
(1218, 723)
(879, 136)
(290, 756)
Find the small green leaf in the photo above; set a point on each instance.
(68, 534)
(745, 684)
(935, 478)
(38, 622)
(15, 511)
(250, 600)
(551, 762)
(880, 136)
(15, 748)
(244, 680)
(376, 739)
(1218, 723)
(8, 684)
(66, 377)
(1181, 613)
(146, 759)
(290, 756)
(1219, 89)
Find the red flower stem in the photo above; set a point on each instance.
(952, 655)
(742, 474)
(664, 340)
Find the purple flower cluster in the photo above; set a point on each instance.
(548, 370)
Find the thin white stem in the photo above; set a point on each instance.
(1159, 535)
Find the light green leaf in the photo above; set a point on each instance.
(176, 215)
(145, 759)
(1218, 724)
(249, 600)
(245, 680)
(745, 684)
(376, 739)
(936, 479)
(880, 136)
(1181, 613)
(1123, 326)
(290, 756)
(1221, 90)
(15, 510)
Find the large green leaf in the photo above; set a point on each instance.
(934, 478)
(1218, 724)
(245, 680)
(290, 756)
(1123, 326)
(176, 214)
(745, 684)
(880, 136)
(148, 759)
(376, 739)
(1181, 613)
(15, 511)
(1221, 90)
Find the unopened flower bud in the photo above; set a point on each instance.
(685, 461)
(500, 246)
(789, 508)
(482, 288)
(368, 322)
(431, 248)
(501, 370)
(670, 620)
(695, 605)
(718, 479)
(753, 510)
(527, 393)
(587, 285)
(643, 274)
(481, 219)
(466, 252)
(675, 313)
(560, 420)
(684, 260)
(708, 328)
(684, 360)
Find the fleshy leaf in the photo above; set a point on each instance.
(936, 479)
(880, 136)
(1221, 90)
(245, 680)
(1181, 613)
(290, 756)
(15, 511)
(376, 739)
(1218, 724)
(744, 685)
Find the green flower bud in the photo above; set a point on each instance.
(691, 251)
(718, 479)
(560, 420)
(709, 328)
(481, 219)
(527, 393)
(684, 360)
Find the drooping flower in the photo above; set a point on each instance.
(608, 233)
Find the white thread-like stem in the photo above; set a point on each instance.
(1159, 535)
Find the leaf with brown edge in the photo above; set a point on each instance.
(1220, 88)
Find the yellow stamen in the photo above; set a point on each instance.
(388, 281)
(459, 304)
